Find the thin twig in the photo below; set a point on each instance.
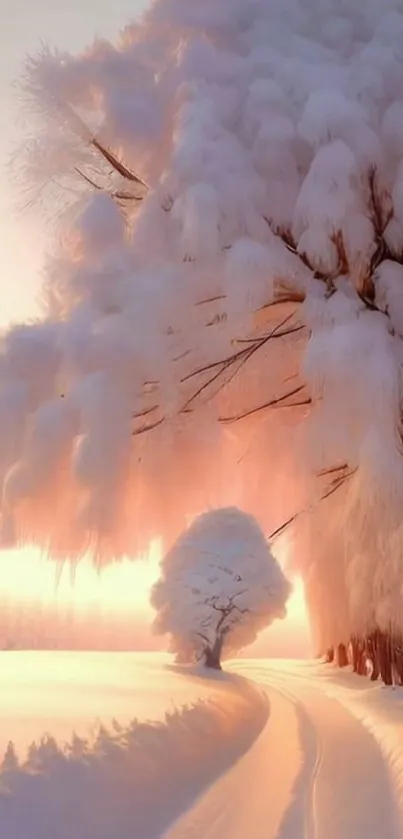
(211, 299)
(106, 153)
(332, 489)
(87, 179)
(337, 484)
(144, 412)
(331, 470)
(145, 428)
(283, 527)
(239, 354)
(273, 402)
(277, 335)
(201, 389)
(289, 297)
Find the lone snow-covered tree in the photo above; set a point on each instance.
(220, 586)
(224, 298)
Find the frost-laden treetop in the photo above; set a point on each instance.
(233, 171)
(219, 587)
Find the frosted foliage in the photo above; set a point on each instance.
(339, 356)
(230, 241)
(219, 583)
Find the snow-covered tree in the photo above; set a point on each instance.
(224, 300)
(220, 586)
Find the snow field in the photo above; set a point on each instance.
(128, 778)
(268, 750)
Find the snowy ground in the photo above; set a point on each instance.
(62, 692)
(305, 753)
(123, 743)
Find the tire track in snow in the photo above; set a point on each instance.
(351, 791)
(302, 807)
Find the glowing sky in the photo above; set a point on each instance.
(84, 608)
(93, 610)
(24, 25)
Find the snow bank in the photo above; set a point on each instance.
(109, 788)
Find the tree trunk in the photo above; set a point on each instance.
(383, 645)
(212, 655)
(341, 656)
(399, 669)
(398, 658)
(358, 656)
(373, 656)
(354, 654)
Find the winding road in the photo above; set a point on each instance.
(315, 772)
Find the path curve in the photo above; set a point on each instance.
(314, 773)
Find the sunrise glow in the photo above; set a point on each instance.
(27, 576)
(80, 606)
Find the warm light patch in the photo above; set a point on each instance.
(27, 577)
(72, 607)
(289, 638)
(44, 606)
(296, 606)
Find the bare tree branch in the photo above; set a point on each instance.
(145, 428)
(331, 470)
(334, 486)
(240, 353)
(272, 403)
(337, 483)
(291, 331)
(211, 299)
(87, 135)
(240, 357)
(145, 412)
(88, 180)
(282, 527)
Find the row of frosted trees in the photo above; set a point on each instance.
(223, 314)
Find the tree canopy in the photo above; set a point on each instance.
(223, 312)
(220, 586)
